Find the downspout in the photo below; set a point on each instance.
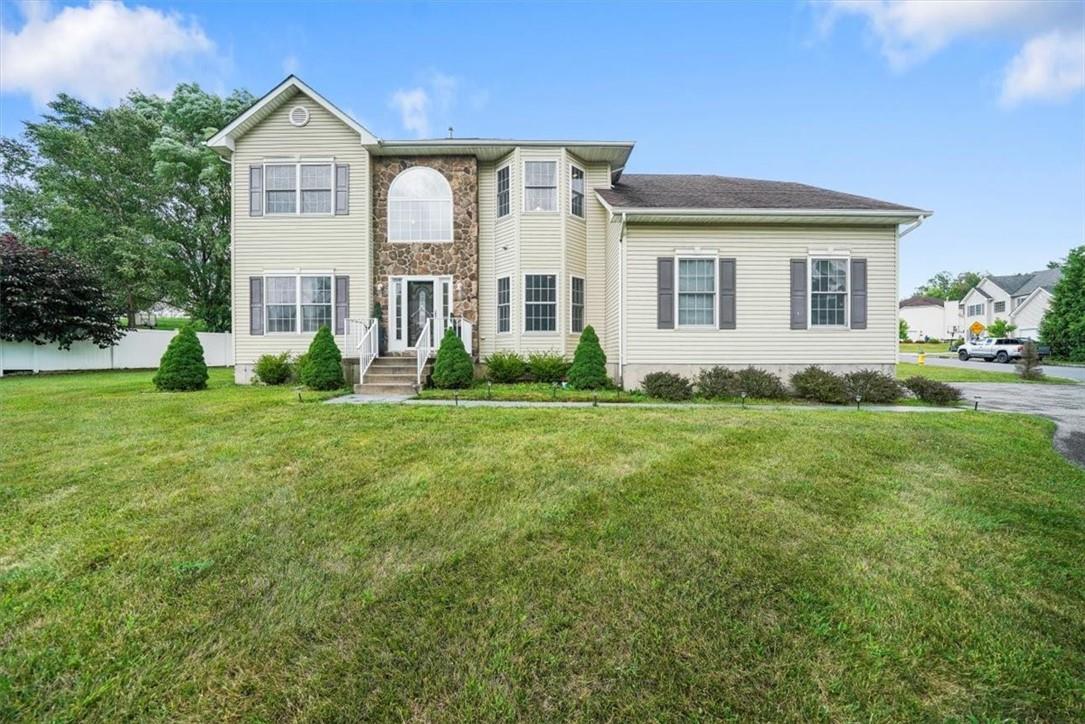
(621, 303)
(918, 222)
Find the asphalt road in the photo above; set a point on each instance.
(1073, 373)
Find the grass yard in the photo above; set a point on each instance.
(235, 554)
(982, 373)
(531, 391)
(940, 348)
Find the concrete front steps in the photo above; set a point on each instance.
(390, 376)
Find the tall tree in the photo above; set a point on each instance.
(1063, 327)
(944, 285)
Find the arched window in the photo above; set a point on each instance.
(420, 206)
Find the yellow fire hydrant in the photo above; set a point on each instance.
(922, 358)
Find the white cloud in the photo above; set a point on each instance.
(413, 106)
(99, 52)
(1050, 67)
(911, 32)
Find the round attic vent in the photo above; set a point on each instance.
(299, 115)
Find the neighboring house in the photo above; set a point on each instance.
(1020, 299)
(930, 317)
(520, 244)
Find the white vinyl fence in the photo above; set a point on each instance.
(136, 350)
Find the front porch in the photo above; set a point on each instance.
(400, 371)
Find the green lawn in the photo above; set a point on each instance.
(235, 554)
(531, 391)
(984, 372)
(928, 347)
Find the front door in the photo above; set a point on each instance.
(419, 308)
(412, 301)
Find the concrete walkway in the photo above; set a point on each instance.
(1070, 373)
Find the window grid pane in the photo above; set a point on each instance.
(540, 186)
(697, 292)
(504, 305)
(503, 192)
(420, 206)
(577, 306)
(576, 186)
(828, 292)
(281, 202)
(280, 177)
(540, 303)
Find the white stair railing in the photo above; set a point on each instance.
(368, 348)
(424, 348)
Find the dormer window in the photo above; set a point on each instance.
(420, 206)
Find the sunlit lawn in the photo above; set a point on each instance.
(982, 373)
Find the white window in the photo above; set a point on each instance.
(576, 304)
(828, 292)
(540, 186)
(420, 206)
(696, 292)
(503, 205)
(576, 191)
(1000, 307)
(289, 187)
(975, 310)
(504, 305)
(540, 303)
(298, 303)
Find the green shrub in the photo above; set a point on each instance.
(323, 365)
(716, 382)
(453, 367)
(932, 391)
(873, 386)
(1028, 364)
(589, 368)
(182, 366)
(667, 386)
(274, 369)
(547, 366)
(814, 383)
(505, 367)
(760, 384)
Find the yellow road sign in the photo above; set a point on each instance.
(976, 327)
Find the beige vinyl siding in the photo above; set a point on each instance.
(1030, 314)
(487, 279)
(595, 283)
(612, 326)
(763, 334)
(506, 251)
(541, 252)
(334, 244)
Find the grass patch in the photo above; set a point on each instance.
(233, 554)
(531, 392)
(956, 374)
(939, 348)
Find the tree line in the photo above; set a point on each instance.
(133, 194)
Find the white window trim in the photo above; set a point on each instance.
(497, 288)
(451, 212)
(715, 292)
(497, 195)
(838, 256)
(297, 163)
(557, 186)
(583, 304)
(583, 196)
(556, 332)
(297, 300)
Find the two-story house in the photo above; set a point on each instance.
(1021, 299)
(519, 244)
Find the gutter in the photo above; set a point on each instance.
(918, 222)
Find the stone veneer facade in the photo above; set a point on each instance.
(458, 259)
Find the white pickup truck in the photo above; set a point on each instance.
(997, 349)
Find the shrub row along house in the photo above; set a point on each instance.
(518, 245)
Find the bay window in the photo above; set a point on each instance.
(540, 303)
(540, 186)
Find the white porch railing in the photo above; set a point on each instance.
(423, 348)
(464, 330)
(363, 339)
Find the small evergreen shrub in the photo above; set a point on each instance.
(1028, 365)
(323, 366)
(814, 383)
(274, 369)
(505, 367)
(667, 386)
(717, 382)
(875, 387)
(453, 367)
(589, 368)
(182, 366)
(547, 366)
(932, 391)
(760, 384)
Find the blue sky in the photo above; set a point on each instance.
(974, 110)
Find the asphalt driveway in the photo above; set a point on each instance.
(1065, 404)
(1070, 373)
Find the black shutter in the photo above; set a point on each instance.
(256, 305)
(858, 293)
(727, 293)
(798, 293)
(256, 190)
(665, 292)
(342, 304)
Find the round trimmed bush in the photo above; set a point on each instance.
(182, 366)
(505, 367)
(274, 369)
(717, 382)
(872, 386)
(547, 366)
(760, 384)
(589, 369)
(323, 367)
(667, 386)
(814, 383)
(453, 367)
(932, 391)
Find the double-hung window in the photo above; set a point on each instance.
(975, 310)
(540, 186)
(576, 304)
(1000, 307)
(828, 292)
(298, 303)
(540, 303)
(503, 190)
(696, 292)
(576, 191)
(504, 305)
(289, 187)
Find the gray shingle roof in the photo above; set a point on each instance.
(679, 191)
(921, 301)
(1011, 282)
(1047, 279)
